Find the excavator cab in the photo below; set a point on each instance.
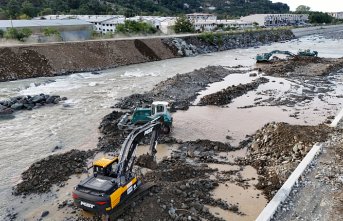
(105, 166)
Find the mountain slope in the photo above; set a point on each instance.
(231, 8)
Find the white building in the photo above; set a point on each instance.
(337, 15)
(202, 21)
(237, 24)
(69, 29)
(276, 20)
(101, 23)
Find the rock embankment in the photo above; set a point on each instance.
(46, 60)
(277, 148)
(180, 90)
(28, 102)
(226, 96)
(214, 42)
(55, 169)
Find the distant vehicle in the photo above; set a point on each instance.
(308, 52)
(265, 57)
(142, 115)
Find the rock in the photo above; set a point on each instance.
(44, 214)
(37, 98)
(252, 75)
(6, 111)
(17, 106)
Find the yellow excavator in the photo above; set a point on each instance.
(113, 185)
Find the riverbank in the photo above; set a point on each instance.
(46, 60)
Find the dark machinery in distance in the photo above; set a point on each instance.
(113, 182)
(265, 57)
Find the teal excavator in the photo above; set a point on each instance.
(264, 57)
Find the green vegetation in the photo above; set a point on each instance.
(234, 8)
(51, 31)
(134, 27)
(320, 18)
(303, 8)
(17, 34)
(315, 17)
(2, 33)
(183, 25)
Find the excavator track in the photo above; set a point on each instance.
(119, 210)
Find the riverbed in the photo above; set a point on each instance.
(32, 135)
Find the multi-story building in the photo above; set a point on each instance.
(202, 21)
(337, 15)
(276, 20)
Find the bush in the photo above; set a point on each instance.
(51, 31)
(135, 27)
(2, 33)
(16, 34)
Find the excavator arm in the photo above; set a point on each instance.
(127, 152)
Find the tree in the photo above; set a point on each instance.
(302, 8)
(2, 33)
(28, 9)
(46, 11)
(320, 17)
(13, 8)
(183, 25)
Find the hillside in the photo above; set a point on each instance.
(229, 8)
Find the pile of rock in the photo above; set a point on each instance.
(54, 169)
(278, 148)
(183, 193)
(182, 47)
(226, 96)
(28, 102)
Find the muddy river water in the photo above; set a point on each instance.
(32, 135)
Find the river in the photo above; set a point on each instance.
(32, 135)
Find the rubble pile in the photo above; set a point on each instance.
(226, 96)
(112, 137)
(302, 66)
(183, 193)
(278, 148)
(40, 176)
